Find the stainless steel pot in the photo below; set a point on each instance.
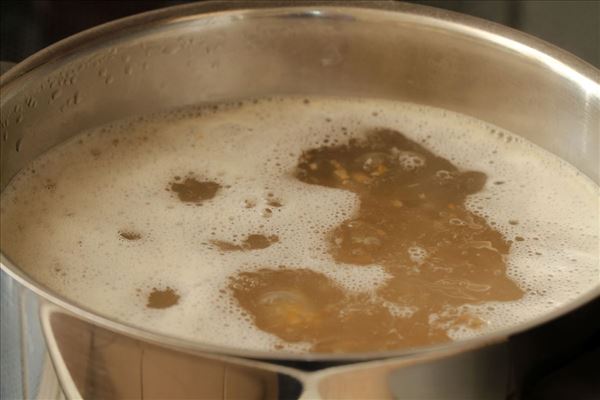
(223, 51)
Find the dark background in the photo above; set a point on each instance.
(30, 25)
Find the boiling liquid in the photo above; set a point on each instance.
(412, 220)
(322, 225)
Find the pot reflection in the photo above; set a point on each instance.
(95, 363)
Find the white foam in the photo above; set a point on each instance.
(69, 206)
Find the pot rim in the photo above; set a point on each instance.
(561, 62)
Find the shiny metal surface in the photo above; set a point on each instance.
(223, 51)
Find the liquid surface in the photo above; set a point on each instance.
(412, 221)
(307, 225)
